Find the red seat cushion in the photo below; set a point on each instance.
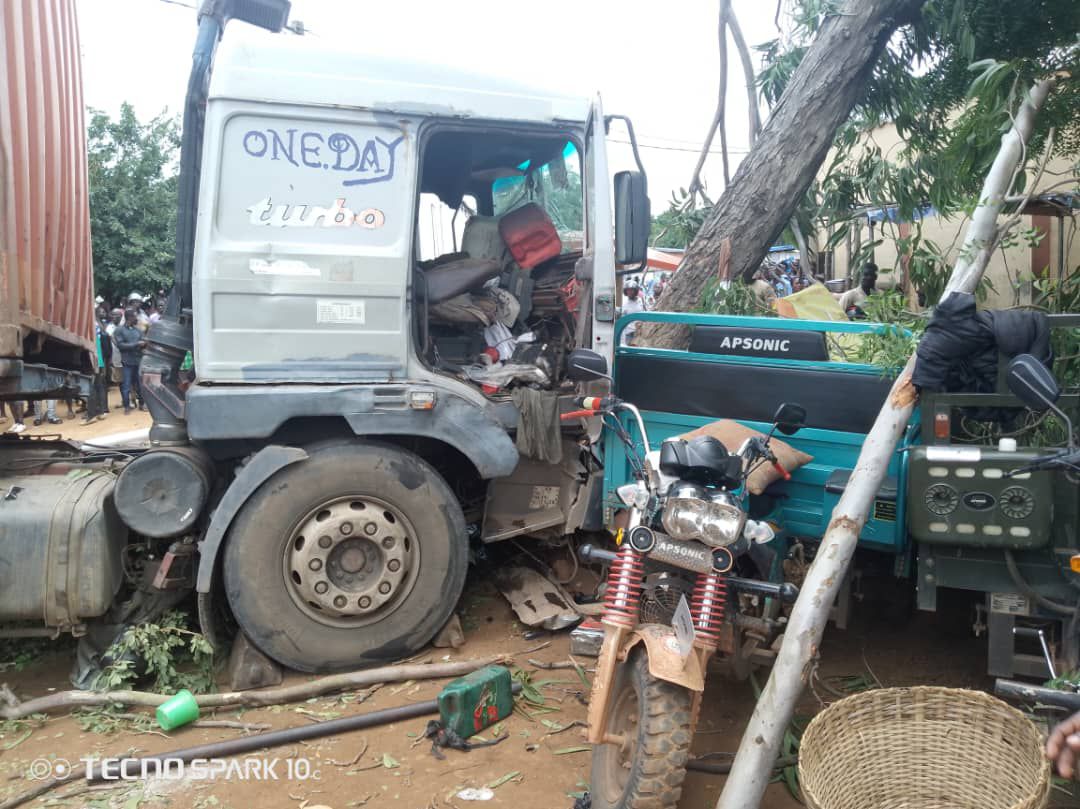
(530, 235)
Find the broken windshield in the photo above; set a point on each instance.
(556, 187)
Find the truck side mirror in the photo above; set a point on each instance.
(790, 418)
(1032, 383)
(632, 221)
(584, 365)
(269, 14)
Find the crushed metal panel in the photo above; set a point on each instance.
(536, 600)
(536, 496)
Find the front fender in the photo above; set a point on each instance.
(665, 662)
(266, 463)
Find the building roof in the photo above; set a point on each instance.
(298, 70)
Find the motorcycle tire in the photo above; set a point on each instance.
(654, 716)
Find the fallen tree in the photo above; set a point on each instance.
(753, 211)
(752, 768)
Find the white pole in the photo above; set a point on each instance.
(752, 768)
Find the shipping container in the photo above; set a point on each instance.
(46, 273)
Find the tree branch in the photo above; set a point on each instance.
(748, 73)
(695, 186)
(65, 700)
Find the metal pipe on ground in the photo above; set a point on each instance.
(273, 738)
(1026, 692)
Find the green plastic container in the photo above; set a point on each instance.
(177, 710)
(473, 702)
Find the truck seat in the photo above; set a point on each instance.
(481, 239)
(448, 279)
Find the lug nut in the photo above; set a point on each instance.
(393, 565)
(364, 602)
(321, 587)
(325, 542)
(384, 588)
(339, 602)
(346, 528)
(370, 529)
(388, 543)
(315, 564)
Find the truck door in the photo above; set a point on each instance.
(601, 236)
(301, 255)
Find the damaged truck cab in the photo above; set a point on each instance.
(382, 272)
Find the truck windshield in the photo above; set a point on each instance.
(556, 187)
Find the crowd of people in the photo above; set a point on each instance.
(119, 337)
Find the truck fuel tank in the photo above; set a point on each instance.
(60, 547)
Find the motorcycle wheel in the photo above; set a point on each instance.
(653, 716)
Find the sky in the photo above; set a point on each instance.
(656, 62)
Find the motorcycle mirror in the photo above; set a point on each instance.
(1032, 383)
(790, 418)
(584, 365)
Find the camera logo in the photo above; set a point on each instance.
(42, 769)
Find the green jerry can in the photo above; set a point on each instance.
(473, 702)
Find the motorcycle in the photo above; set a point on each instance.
(673, 601)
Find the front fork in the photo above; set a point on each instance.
(621, 602)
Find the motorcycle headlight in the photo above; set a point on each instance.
(722, 524)
(684, 510)
(683, 518)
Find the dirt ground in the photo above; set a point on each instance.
(534, 770)
(114, 422)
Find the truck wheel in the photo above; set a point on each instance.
(646, 771)
(355, 556)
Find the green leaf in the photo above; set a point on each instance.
(389, 762)
(510, 776)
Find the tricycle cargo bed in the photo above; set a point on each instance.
(768, 361)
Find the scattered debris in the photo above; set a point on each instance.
(446, 737)
(514, 775)
(473, 794)
(536, 600)
(451, 636)
(250, 668)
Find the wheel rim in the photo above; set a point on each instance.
(618, 760)
(350, 561)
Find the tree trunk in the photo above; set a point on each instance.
(785, 158)
(761, 740)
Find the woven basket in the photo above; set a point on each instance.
(922, 748)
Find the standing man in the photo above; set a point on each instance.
(633, 302)
(129, 340)
(855, 298)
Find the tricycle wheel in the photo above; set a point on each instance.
(646, 771)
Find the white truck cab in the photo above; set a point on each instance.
(392, 279)
(386, 274)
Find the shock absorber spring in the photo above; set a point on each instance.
(707, 607)
(622, 598)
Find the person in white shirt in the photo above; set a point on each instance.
(867, 285)
(633, 302)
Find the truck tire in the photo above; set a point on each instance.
(355, 556)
